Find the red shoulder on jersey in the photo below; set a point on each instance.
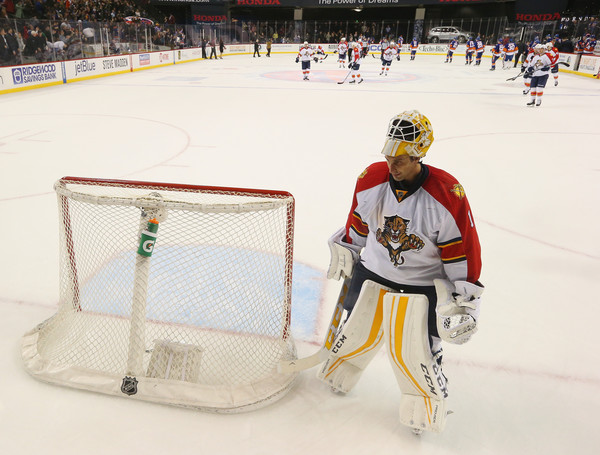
(448, 192)
(373, 175)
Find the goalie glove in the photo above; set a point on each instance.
(457, 309)
(343, 256)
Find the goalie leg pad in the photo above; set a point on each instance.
(419, 375)
(420, 414)
(357, 341)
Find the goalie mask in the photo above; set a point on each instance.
(409, 133)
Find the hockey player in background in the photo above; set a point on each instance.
(320, 53)
(411, 259)
(388, 55)
(414, 47)
(305, 55)
(364, 46)
(479, 50)
(497, 53)
(537, 70)
(399, 43)
(526, 78)
(510, 49)
(470, 51)
(451, 49)
(383, 45)
(354, 64)
(553, 53)
(342, 51)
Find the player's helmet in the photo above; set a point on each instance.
(549, 46)
(539, 48)
(409, 133)
(306, 43)
(343, 39)
(392, 43)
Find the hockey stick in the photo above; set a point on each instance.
(291, 366)
(341, 82)
(521, 73)
(513, 78)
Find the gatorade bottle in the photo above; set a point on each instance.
(148, 238)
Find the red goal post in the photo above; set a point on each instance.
(173, 293)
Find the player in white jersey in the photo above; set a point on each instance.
(320, 53)
(354, 65)
(538, 70)
(342, 51)
(526, 60)
(305, 55)
(411, 260)
(388, 55)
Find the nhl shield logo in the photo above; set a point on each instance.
(129, 386)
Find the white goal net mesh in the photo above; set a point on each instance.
(201, 320)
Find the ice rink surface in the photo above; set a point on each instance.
(527, 383)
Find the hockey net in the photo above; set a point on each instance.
(201, 321)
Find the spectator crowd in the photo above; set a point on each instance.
(43, 30)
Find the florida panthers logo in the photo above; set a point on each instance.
(394, 238)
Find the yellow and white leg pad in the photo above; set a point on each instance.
(423, 386)
(357, 341)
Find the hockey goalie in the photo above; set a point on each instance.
(410, 259)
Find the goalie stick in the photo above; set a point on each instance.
(291, 366)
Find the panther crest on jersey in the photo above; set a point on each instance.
(394, 238)
(458, 191)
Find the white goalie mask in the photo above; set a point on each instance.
(409, 133)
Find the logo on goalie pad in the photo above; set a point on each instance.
(440, 378)
(338, 345)
(129, 385)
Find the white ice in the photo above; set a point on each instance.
(528, 382)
